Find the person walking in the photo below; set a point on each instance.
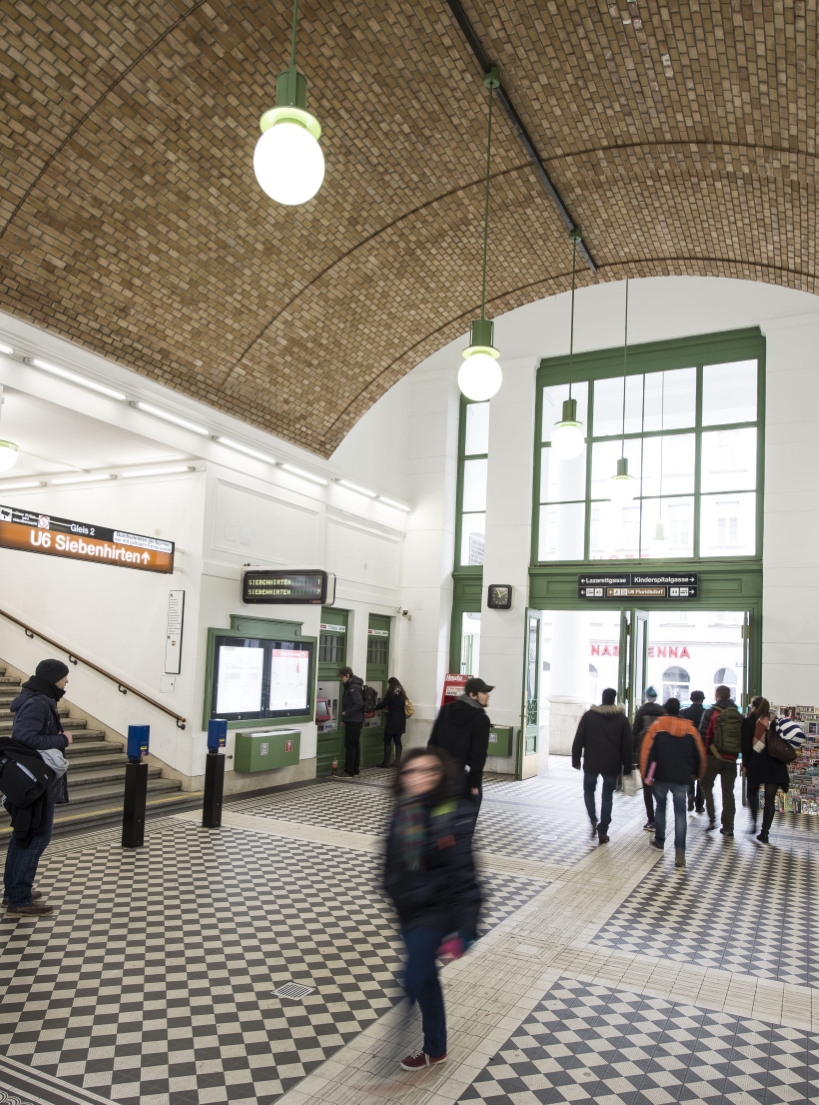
(721, 730)
(671, 756)
(693, 713)
(604, 738)
(395, 724)
(352, 715)
(429, 873)
(759, 767)
(36, 723)
(462, 731)
(646, 715)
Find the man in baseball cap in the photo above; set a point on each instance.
(462, 729)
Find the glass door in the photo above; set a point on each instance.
(531, 715)
(631, 681)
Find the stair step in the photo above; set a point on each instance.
(70, 724)
(99, 813)
(113, 792)
(9, 681)
(78, 750)
(81, 775)
(92, 762)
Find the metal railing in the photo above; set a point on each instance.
(74, 658)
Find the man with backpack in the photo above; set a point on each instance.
(721, 729)
(352, 715)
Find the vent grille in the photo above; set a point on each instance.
(294, 990)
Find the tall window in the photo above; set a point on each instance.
(472, 506)
(690, 438)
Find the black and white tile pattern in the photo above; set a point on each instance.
(595, 1043)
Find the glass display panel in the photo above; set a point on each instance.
(614, 531)
(289, 680)
(477, 429)
(474, 497)
(676, 538)
(561, 480)
(473, 531)
(553, 406)
(239, 678)
(729, 393)
(605, 455)
(728, 524)
(672, 456)
(561, 531)
(261, 678)
(729, 460)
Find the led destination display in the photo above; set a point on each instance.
(300, 588)
(29, 531)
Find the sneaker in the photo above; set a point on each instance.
(679, 857)
(420, 1060)
(711, 826)
(763, 837)
(602, 836)
(727, 832)
(594, 828)
(33, 909)
(650, 827)
(35, 894)
(656, 844)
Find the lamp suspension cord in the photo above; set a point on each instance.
(571, 327)
(625, 356)
(293, 35)
(662, 429)
(486, 203)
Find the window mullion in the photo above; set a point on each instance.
(697, 460)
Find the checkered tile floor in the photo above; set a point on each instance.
(738, 906)
(153, 981)
(594, 1043)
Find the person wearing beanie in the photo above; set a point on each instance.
(36, 723)
(671, 756)
(604, 739)
(645, 717)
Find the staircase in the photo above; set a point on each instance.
(96, 773)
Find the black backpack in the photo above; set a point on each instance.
(370, 700)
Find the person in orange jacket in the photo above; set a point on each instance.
(671, 756)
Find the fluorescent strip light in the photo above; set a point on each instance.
(6, 349)
(177, 470)
(393, 502)
(357, 487)
(246, 450)
(304, 475)
(183, 422)
(82, 479)
(21, 486)
(74, 378)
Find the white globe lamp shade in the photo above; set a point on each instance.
(480, 376)
(567, 435)
(288, 163)
(8, 455)
(622, 486)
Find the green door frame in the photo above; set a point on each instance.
(330, 746)
(377, 670)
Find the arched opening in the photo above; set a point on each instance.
(728, 678)
(676, 684)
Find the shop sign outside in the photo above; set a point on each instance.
(29, 531)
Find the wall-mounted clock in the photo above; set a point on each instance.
(500, 596)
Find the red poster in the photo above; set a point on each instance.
(453, 686)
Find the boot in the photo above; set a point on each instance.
(679, 857)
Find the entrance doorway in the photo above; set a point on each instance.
(674, 651)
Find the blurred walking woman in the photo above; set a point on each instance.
(761, 769)
(394, 705)
(430, 875)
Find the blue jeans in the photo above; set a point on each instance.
(589, 787)
(679, 793)
(422, 984)
(21, 863)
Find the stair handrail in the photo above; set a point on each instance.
(75, 658)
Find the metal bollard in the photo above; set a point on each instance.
(214, 774)
(136, 787)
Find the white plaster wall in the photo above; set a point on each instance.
(375, 450)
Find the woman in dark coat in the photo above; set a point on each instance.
(760, 768)
(393, 704)
(429, 874)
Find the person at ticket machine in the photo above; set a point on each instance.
(352, 715)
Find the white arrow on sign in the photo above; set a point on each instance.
(146, 557)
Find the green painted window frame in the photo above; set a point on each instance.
(734, 345)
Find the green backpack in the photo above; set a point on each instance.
(728, 731)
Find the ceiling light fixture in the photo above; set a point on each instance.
(358, 488)
(246, 450)
(175, 470)
(75, 378)
(288, 161)
(8, 450)
(6, 349)
(98, 478)
(304, 475)
(567, 435)
(623, 486)
(22, 486)
(394, 503)
(177, 421)
(480, 376)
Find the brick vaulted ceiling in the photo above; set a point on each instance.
(682, 138)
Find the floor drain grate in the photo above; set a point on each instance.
(293, 990)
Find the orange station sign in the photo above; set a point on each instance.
(28, 531)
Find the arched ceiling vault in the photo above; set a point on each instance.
(682, 139)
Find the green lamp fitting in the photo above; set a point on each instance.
(481, 338)
(569, 410)
(575, 234)
(291, 104)
(492, 78)
(622, 467)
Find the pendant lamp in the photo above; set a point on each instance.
(567, 435)
(288, 161)
(623, 486)
(480, 376)
(8, 450)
